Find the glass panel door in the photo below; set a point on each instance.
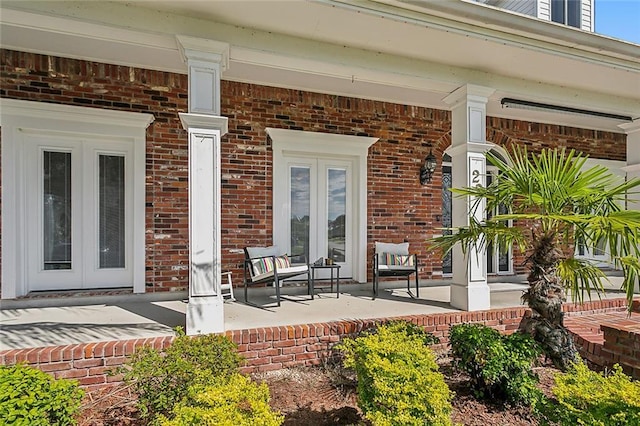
(318, 211)
(53, 217)
(79, 219)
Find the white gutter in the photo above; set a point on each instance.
(484, 22)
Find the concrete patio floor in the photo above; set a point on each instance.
(38, 322)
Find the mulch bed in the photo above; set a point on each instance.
(322, 396)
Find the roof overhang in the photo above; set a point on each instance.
(412, 52)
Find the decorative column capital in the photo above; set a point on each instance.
(469, 93)
(204, 122)
(632, 127)
(203, 50)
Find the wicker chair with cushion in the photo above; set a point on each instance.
(269, 264)
(394, 260)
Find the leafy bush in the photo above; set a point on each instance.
(398, 378)
(233, 401)
(585, 397)
(31, 397)
(162, 380)
(499, 366)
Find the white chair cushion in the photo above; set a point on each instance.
(401, 248)
(395, 268)
(254, 252)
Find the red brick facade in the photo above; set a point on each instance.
(399, 208)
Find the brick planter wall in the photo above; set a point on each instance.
(266, 348)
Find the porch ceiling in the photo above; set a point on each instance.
(411, 52)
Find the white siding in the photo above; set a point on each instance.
(586, 22)
(526, 7)
(544, 9)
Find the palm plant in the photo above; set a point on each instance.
(555, 205)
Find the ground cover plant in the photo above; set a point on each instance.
(585, 397)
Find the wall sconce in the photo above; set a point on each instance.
(428, 168)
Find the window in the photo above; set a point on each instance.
(566, 12)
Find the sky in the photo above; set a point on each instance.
(619, 19)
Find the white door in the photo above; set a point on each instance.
(318, 211)
(79, 215)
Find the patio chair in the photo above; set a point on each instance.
(269, 264)
(394, 260)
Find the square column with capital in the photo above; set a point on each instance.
(469, 289)
(205, 59)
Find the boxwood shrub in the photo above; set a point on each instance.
(499, 366)
(398, 379)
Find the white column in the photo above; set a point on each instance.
(469, 289)
(205, 60)
(633, 159)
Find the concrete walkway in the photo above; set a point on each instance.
(38, 322)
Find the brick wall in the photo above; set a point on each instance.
(266, 348)
(399, 208)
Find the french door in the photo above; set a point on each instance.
(317, 210)
(78, 215)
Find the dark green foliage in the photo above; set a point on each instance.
(31, 397)
(499, 366)
(398, 378)
(585, 397)
(162, 380)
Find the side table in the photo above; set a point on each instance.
(331, 268)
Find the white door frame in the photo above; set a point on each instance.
(22, 117)
(287, 143)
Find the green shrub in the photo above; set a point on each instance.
(499, 366)
(162, 380)
(232, 401)
(398, 378)
(585, 397)
(31, 397)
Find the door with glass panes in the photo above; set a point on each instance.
(499, 258)
(317, 209)
(79, 216)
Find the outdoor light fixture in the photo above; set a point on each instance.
(537, 106)
(428, 168)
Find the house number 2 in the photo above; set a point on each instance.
(476, 167)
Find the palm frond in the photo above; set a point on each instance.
(580, 277)
(478, 236)
(631, 267)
